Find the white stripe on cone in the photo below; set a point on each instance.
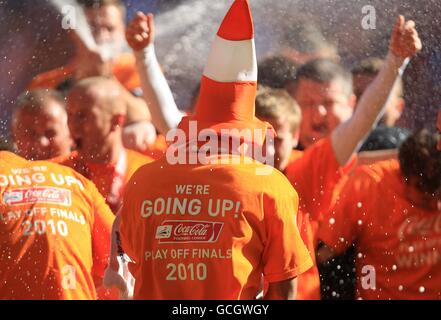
(232, 61)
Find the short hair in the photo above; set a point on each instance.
(305, 37)
(385, 138)
(95, 4)
(276, 72)
(325, 70)
(35, 99)
(420, 160)
(108, 90)
(371, 67)
(278, 104)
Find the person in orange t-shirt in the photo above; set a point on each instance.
(54, 231)
(392, 211)
(218, 227)
(106, 20)
(39, 125)
(315, 180)
(198, 251)
(95, 114)
(315, 172)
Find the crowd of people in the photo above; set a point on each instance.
(97, 201)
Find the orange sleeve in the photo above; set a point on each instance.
(285, 255)
(102, 226)
(314, 176)
(348, 214)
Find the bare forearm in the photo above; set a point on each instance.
(164, 112)
(347, 137)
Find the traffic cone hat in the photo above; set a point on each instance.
(229, 83)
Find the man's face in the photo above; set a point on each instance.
(107, 24)
(324, 106)
(284, 142)
(395, 104)
(89, 123)
(42, 134)
(438, 125)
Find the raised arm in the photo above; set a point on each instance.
(348, 136)
(157, 94)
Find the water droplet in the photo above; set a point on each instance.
(331, 221)
(359, 205)
(422, 289)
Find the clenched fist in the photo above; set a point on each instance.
(405, 41)
(140, 31)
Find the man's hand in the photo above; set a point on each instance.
(140, 31)
(139, 136)
(405, 42)
(119, 277)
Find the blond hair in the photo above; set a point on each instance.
(278, 104)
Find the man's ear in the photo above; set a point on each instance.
(401, 104)
(352, 102)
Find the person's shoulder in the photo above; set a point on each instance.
(379, 168)
(51, 78)
(143, 166)
(60, 166)
(125, 60)
(378, 171)
(124, 69)
(11, 159)
(258, 177)
(138, 158)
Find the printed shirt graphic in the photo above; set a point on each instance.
(314, 174)
(108, 178)
(124, 70)
(400, 242)
(54, 231)
(210, 231)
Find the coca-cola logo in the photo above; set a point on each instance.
(199, 229)
(188, 231)
(420, 226)
(50, 195)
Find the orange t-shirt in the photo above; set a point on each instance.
(124, 69)
(210, 231)
(104, 175)
(314, 173)
(54, 231)
(397, 242)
